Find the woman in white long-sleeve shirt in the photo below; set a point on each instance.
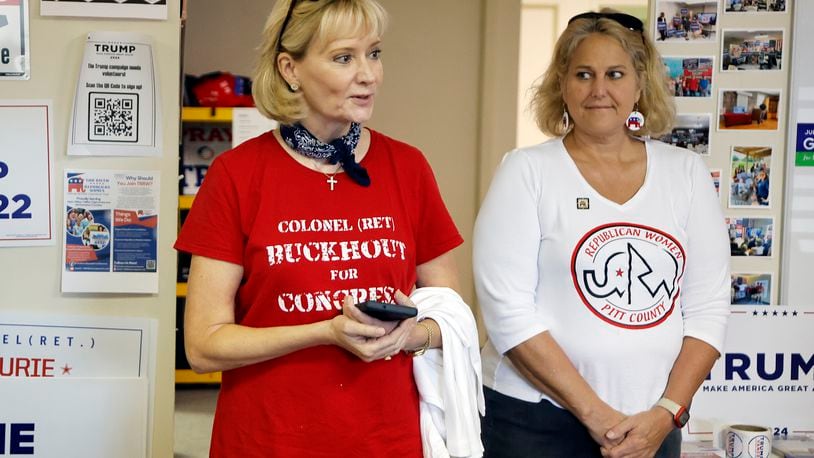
(601, 262)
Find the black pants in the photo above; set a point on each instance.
(518, 429)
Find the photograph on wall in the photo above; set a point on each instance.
(689, 76)
(686, 22)
(111, 231)
(690, 131)
(14, 43)
(750, 236)
(128, 9)
(716, 179)
(751, 288)
(755, 6)
(749, 109)
(750, 172)
(752, 50)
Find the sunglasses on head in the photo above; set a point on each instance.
(625, 20)
(285, 24)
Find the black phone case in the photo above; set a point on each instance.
(387, 312)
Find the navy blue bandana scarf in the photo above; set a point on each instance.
(339, 151)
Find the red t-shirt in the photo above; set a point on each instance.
(303, 248)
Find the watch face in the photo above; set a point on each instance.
(683, 418)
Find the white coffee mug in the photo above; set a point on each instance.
(748, 441)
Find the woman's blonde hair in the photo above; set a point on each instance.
(312, 21)
(655, 102)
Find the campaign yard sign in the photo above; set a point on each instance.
(75, 386)
(805, 145)
(765, 376)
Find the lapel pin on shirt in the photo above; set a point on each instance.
(583, 203)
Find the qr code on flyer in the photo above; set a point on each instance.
(113, 117)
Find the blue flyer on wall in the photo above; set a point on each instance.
(135, 247)
(111, 231)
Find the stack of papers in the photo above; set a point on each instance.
(794, 447)
(701, 449)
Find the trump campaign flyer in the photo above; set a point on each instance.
(111, 231)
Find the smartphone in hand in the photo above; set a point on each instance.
(387, 312)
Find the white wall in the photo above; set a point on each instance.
(542, 22)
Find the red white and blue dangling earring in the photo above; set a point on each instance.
(635, 120)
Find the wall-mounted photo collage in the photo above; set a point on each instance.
(714, 52)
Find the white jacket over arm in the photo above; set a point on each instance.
(449, 379)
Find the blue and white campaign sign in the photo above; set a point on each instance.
(26, 194)
(32, 347)
(765, 377)
(75, 386)
(74, 417)
(805, 145)
(14, 49)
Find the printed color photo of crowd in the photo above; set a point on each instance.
(689, 76)
(751, 289)
(752, 50)
(755, 6)
(686, 22)
(749, 184)
(750, 236)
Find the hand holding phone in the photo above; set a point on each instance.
(387, 312)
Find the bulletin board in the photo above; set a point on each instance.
(728, 64)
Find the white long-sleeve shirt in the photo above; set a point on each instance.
(618, 286)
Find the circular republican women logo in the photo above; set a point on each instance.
(628, 274)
